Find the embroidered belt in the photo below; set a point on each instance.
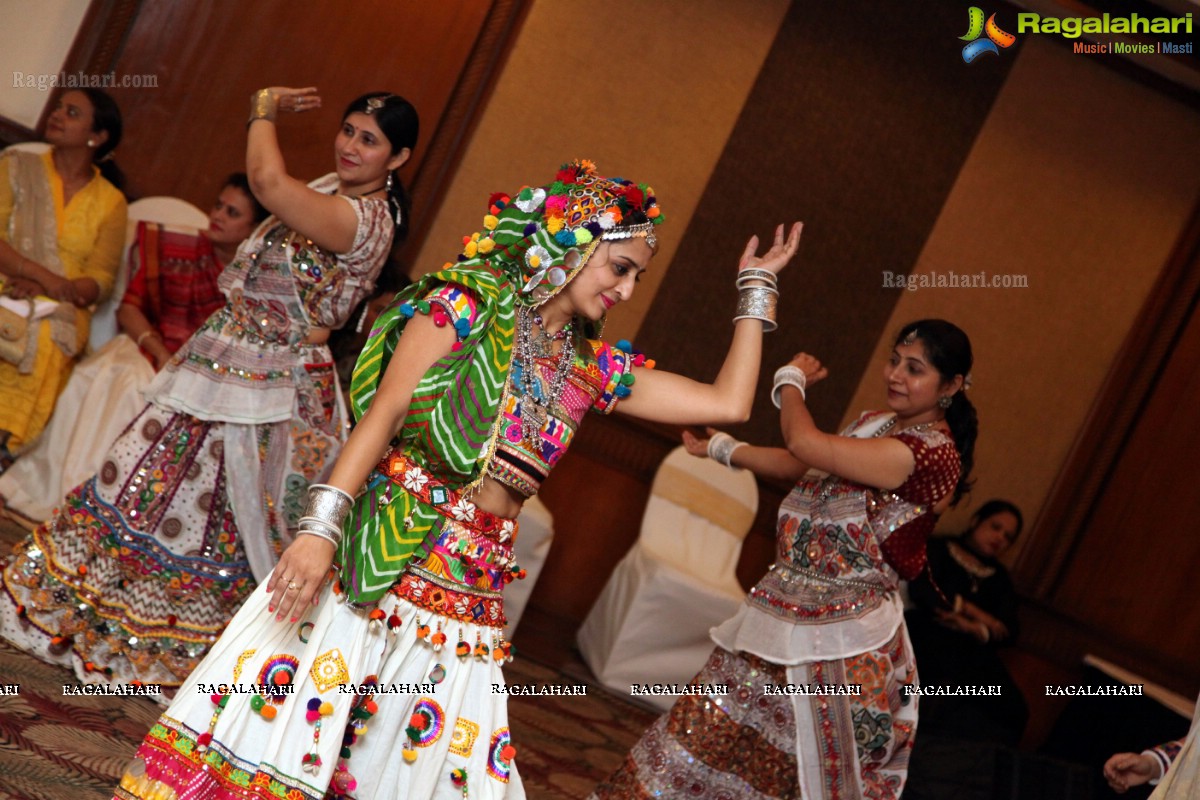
(461, 571)
(447, 501)
(820, 598)
(421, 589)
(789, 572)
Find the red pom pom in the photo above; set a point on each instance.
(372, 707)
(418, 721)
(508, 753)
(204, 738)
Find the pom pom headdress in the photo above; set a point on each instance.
(543, 236)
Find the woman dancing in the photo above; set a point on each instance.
(172, 292)
(144, 564)
(469, 391)
(826, 620)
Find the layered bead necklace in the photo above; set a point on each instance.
(536, 401)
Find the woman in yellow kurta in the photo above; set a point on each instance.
(62, 227)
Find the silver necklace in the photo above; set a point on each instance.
(536, 400)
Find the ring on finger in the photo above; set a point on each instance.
(293, 586)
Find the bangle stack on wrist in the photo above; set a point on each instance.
(788, 376)
(758, 294)
(263, 105)
(327, 508)
(721, 447)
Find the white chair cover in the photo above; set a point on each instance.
(651, 623)
(535, 530)
(168, 211)
(103, 394)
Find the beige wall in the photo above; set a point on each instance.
(34, 40)
(1081, 179)
(652, 97)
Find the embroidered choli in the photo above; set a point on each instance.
(591, 384)
(246, 362)
(841, 549)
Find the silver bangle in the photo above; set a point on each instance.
(327, 507)
(336, 542)
(755, 274)
(721, 447)
(788, 376)
(758, 302)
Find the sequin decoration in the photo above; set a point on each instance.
(303, 631)
(499, 766)
(241, 662)
(329, 670)
(434, 722)
(278, 671)
(437, 674)
(465, 734)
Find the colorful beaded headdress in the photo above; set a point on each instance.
(542, 237)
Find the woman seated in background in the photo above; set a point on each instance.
(965, 611)
(172, 291)
(62, 227)
(143, 565)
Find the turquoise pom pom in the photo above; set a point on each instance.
(623, 391)
(462, 326)
(407, 311)
(625, 345)
(565, 237)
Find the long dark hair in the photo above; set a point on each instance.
(106, 116)
(398, 121)
(949, 350)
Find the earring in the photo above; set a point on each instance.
(91, 142)
(387, 187)
(944, 401)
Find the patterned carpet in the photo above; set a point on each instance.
(56, 747)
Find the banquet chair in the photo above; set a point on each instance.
(535, 530)
(651, 622)
(166, 210)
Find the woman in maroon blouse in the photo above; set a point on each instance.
(822, 702)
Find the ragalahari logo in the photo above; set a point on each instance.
(996, 38)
